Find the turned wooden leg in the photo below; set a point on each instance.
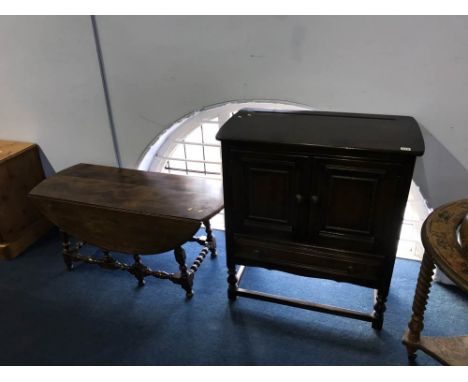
(421, 296)
(210, 239)
(186, 279)
(138, 270)
(232, 282)
(66, 250)
(379, 308)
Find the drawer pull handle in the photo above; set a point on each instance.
(350, 269)
(299, 198)
(257, 252)
(314, 199)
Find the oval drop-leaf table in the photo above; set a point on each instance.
(133, 212)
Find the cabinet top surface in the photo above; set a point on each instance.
(9, 149)
(134, 191)
(390, 133)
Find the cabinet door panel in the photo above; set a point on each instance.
(352, 199)
(268, 191)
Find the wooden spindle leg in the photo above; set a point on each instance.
(210, 239)
(66, 250)
(379, 309)
(232, 282)
(186, 279)
(138, 270)
(108, 261)
(196, 264)
(421, 296)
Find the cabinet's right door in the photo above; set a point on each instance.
(353, 203)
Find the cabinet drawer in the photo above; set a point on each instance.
(308, 261)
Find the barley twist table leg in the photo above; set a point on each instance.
(210, 239)
(421, 296)
(186, 279)
(138, 270)
(66, 250)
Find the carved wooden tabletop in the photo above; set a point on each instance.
(440, 238)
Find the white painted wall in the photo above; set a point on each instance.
(161, 68)
(50, 89)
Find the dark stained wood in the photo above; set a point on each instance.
(233, 281)
(185, 277)
(439, 237)
(211, 240)
(317, 194)
(361, 270)
(129, 211)
(66, 250)
(304, 304)
(133, 191)
(133, 212)
(117, 230)
(423, 287)
(373, 132)
(379, 308)
(464, 234)
(20, 222)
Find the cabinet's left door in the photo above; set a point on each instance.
(268, 194)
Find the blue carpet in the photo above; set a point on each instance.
(92, 316)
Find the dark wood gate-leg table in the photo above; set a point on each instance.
(133, 212)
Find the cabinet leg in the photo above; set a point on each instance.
(186, 279)
(232, 282)
(66, 250)
(210, 239)
(423, 287)
(379, 309)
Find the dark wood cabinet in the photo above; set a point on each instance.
(317, 194)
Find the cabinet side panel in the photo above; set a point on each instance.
(18, 176)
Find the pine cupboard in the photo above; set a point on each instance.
(317, 194)
(20, 222)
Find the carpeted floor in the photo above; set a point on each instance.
(92, 316)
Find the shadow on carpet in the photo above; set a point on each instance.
(92, 316)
